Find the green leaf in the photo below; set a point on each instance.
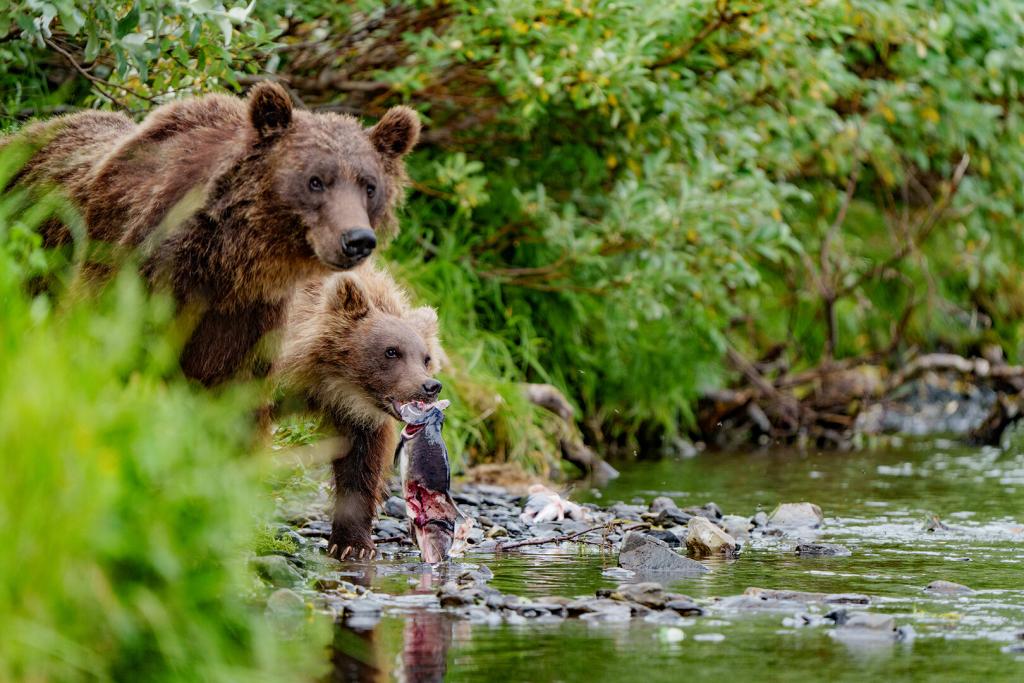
(128, 22)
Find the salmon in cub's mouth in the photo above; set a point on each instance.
(436, 522)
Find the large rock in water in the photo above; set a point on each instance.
(646, 555)
(704, 538)
(796, 515)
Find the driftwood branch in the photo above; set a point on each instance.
(501, 547)
(570, 441)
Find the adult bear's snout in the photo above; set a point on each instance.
(358, 244)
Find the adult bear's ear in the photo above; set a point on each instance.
(348, 297)
(424, 319)
(396, 133)
(270, 108)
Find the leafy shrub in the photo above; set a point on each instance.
(128, 498)
(610, 196)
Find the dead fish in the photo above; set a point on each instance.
(435, 521)
(544, 505)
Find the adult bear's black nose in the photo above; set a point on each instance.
(358, 243)
(432, 388)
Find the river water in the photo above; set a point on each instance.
(875, 502)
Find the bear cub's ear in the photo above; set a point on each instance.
(346, 296)
(396, 133)
(270, 108)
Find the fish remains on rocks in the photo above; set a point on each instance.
(439, 527)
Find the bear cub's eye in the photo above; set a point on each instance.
(391, 352)
(426, 361)
(371, 190)
(315, 184)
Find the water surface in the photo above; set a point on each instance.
(876, 503)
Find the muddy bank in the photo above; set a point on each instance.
(842, 403)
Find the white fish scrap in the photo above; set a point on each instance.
(545, 505)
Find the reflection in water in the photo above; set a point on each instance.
(362, 655)
(353, 656)
(426, 639)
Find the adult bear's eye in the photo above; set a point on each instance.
(315, 184)
(391, 352)
(426, 361)
(371, 190)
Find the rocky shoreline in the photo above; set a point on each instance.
(652, 545)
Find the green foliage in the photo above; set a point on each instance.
(610, 194)
(128, 498)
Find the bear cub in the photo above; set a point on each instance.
(355, 349)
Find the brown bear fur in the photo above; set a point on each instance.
(232, 203)
(354, 348)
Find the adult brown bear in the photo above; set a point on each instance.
(231, 203)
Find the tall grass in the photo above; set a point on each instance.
(128, 497)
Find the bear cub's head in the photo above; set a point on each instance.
(340, 180)
(359, 349)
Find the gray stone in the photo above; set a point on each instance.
(286, 602)
(582, 606)
(275, 569)
(641, 553)
(648, 594)
(662, 503)
(672, 516)
(496, 531)
(394, 507)
(806, 597)
(705, 539)
(796, 515)
(316, 529)
(665, 536)
(709, 510)
(686, 608)
(618, 614)
(475, 535)
(947, 588)
(760, 519)
(871, 621)
(736, 526)
(389, 528)
(625, 511)
(451, 595)
(822, 550)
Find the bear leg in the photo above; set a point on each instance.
(358, 483)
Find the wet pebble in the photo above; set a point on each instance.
(641, 553)
(394, 507)
(686, 608)
(947, 588)
(649, 594)
(736, 526)
(796, 515)
(496, 531)
(662, 503)
(285, 601)
(665, 536)
(709, 510)
(705, 539)
(822, 550)
(276, 570)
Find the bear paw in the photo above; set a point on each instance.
(342, 548)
